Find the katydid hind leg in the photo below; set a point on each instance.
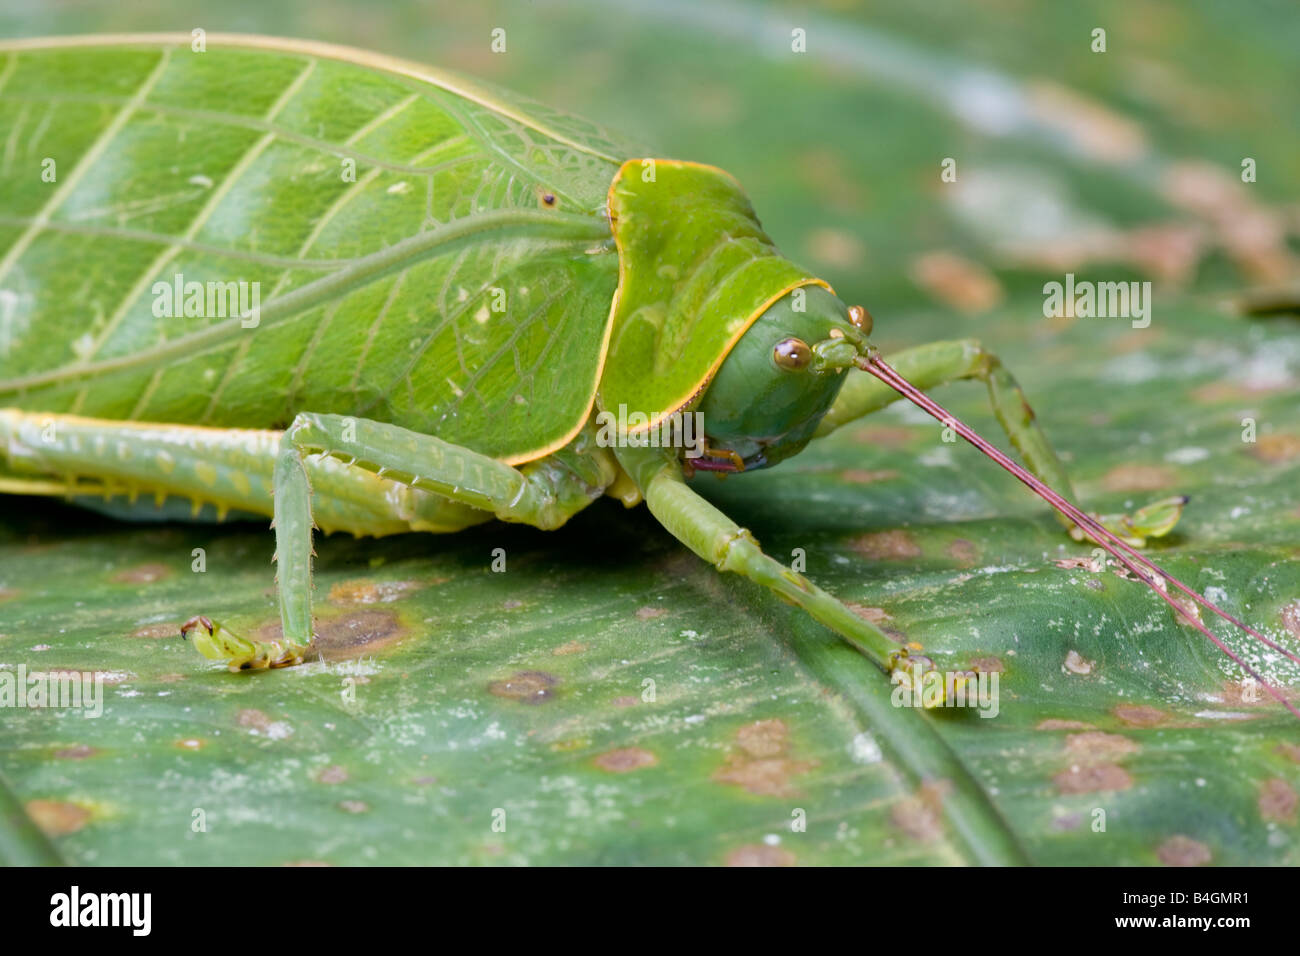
(939, 363)
(152, 470)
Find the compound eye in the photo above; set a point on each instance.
(861, 319)
(792, 354)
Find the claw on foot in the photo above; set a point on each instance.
(1151, 521)
(216, 642)
(915, 677)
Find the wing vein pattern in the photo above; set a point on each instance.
(236, 235)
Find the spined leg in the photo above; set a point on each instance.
(938, 363)
(544, 497)
(229, 469)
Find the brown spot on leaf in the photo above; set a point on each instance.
(332, 774)
(650, 613)
(190, 743)
(527, 687)
(763, 738)
(1090, 126)
(1245, 693)
(987, 665)
(1134, 477)
(864, 476)
(627, 700)
(1253, 235)
(956, 281)
(349, 593)
(768, 778)
(1183, 851)
(762, 765)
(1216, 393)
(759, 854)
(76, 752)
(1290, 617)
(143, 574)
(920, 816)
(254, 719)
(963, 552)
(873, 614)
(354, 806)
(896, 545)
(158, 631)
(1291, 751)
(1140, 715)
(1055, 723)
(1092, 778)
(1088, 564)
(1275, 449)
(347, 636)
(7, 594)
(1277, 801)
(57, 817)
(626, 759)
(1098, 747)
(885, 436)
(836, 247)
(573, 647)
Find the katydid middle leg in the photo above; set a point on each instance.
(389, 480)
(938, 363)
(541, 495)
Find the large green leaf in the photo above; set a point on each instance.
(525, 690)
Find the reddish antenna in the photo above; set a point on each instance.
(1119, 549)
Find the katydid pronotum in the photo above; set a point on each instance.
(458, 283)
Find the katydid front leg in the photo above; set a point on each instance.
(938, 363)
(717, 539)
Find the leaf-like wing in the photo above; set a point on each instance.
(410, 246)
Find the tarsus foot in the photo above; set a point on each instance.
(216, 642)
(1152, 521)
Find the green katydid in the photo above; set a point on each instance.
(451, 286)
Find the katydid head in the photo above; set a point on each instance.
(771, 391)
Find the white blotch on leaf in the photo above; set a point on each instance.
(1187, 456)
(864, 749)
